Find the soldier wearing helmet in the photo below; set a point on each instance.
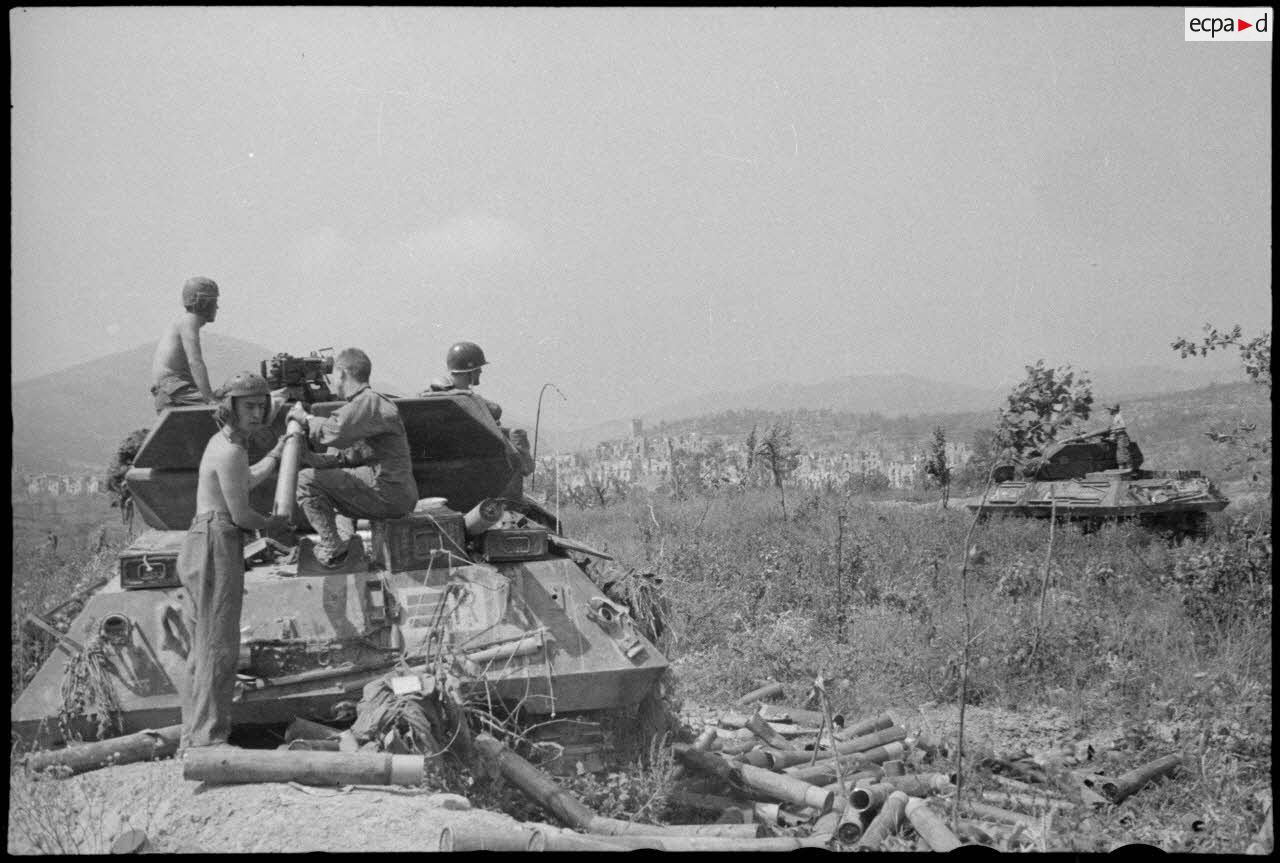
(178, 372)
(464, 361)
(359, 463)
(211, 561)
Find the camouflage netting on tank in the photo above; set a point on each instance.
(641, 593)
(120, 464)
(87, 691)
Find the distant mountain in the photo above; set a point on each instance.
(894, 395)
(71, 421)
(1114, 384)
(888, 395)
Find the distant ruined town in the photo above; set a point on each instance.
(707, 460)
(646, 461)
(25, 484)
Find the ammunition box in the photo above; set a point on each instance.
(413, 542)
(151, 560)
(507, 543)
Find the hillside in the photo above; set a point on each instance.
(889, 396)
(1170, 427)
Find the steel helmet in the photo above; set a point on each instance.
(199, 288)
(244, 384)
(465, 357)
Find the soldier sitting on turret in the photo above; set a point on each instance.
(178, 373)
(465, 361)
(371, 475)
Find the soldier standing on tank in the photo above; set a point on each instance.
(211, 561)
(464, 361)
(178, 373)
(1121, 437)
(372, 474)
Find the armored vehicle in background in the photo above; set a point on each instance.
(489, 583)
(1082, 479)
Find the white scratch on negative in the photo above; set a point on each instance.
(727, 156)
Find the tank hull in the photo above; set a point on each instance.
(1167, 497)
(311, 643)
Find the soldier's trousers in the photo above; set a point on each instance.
(352, 491)
(173, 391)
(211, 568)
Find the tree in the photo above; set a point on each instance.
(779, 456)
(935, 464)
(753, 441)
(121, 497)
(1041, 406)
(1255, 354)
(1243, 444)
(984, 450)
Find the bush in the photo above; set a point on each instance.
(1227, 579)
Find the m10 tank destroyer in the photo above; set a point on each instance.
(1091, 479)
(490, 581)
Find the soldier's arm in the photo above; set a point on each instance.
(232, 467)
(195, 359)
(264, 469)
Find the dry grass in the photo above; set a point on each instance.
(1134, 626)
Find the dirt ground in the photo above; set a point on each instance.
(87, 813)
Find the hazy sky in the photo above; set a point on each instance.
(644, 204)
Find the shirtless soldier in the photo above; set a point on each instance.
(211, 562)
(178, 373)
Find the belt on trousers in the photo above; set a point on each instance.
(212, 515)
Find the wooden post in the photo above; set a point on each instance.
(771, 690)
(142, 746)
(230, 766)
(538, 785)
(1119, 789)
